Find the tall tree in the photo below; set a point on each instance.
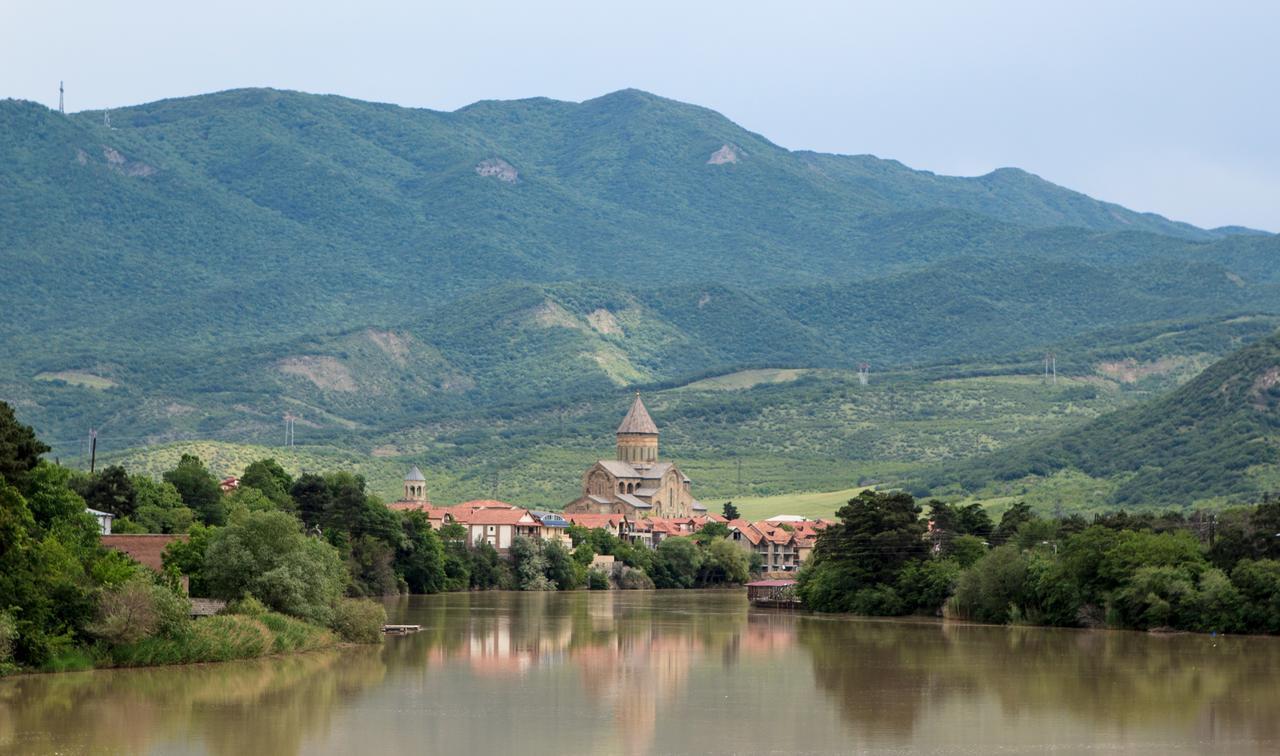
(199, 489)
(20, 450)
(730, 511)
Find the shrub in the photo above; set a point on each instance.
(597, 580)
(632, 579)
(8, 634)
(359, 620)
(249, 606)
(137, 609)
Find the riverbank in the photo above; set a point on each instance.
(221, 638)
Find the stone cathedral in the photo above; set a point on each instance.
(636, 483)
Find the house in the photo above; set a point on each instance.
(783, 543)
(617, 524)
(495, 523)
(553, 527)
(636, 483)
(104, 520)
(229, 484)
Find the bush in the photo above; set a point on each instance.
(248, 606)
(137, 609)
(597, 580)
(8, 634)
(359, 620)
(993, 586)
(631, 579)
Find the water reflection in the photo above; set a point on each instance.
(670, 672)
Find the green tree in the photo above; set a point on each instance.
(20, 450)
(265, 554)
(1010, 521)
(529, 565)
(723, 562)
(730, 511)
(563, 568)
(677, 563)
(110, 490)
(876, 536)
(420, 556)
(267, 476)
(199, 489)
(312, 497)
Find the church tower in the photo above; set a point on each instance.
(415, 486)
(638, 436)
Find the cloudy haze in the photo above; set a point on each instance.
(1167, 107)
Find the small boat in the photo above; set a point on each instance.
(400, 629)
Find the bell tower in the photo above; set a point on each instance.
(415, 486)
(638, 436)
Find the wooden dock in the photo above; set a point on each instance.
(401, 629)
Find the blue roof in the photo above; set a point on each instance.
(550, 519)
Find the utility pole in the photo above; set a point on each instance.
(739, 475)
(61, 105)
(1050, 368)
(93, 450)
(864, 374)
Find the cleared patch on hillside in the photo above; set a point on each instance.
(78, 378)
(1132, 371)
(604, 322)
(176, 409)
(615, 364)
(394, 345)
(745, 379)
(499, 169)
(120, 164)
(325, 373)
(1262, 385)
(551, 315)
(726, 154)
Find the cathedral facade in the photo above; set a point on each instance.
(636, 483)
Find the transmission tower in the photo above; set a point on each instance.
(289, 417)
(1051, 368)
(864, 373)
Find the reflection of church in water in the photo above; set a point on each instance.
(636, 483)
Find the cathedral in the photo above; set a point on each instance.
(636, 483)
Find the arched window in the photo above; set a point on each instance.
(622, 487)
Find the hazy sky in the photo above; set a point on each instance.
(1170, 107)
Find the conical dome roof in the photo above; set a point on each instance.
(415, 475)
(638, 420)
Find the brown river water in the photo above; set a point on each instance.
(674, 672)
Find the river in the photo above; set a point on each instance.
(674, 672)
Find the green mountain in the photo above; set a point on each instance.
(206, 264)
(1215, 437)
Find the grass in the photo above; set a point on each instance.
(744, 379)
(224, 637)
(811, 505)
(76, 378)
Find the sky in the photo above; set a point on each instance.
(1168, 107)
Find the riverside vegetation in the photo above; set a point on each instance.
(1203, 572)
(66, 602)
(297, 559)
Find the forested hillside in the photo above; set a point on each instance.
(1216, 437)
(206, 264)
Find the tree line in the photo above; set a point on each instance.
(1204, 572)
